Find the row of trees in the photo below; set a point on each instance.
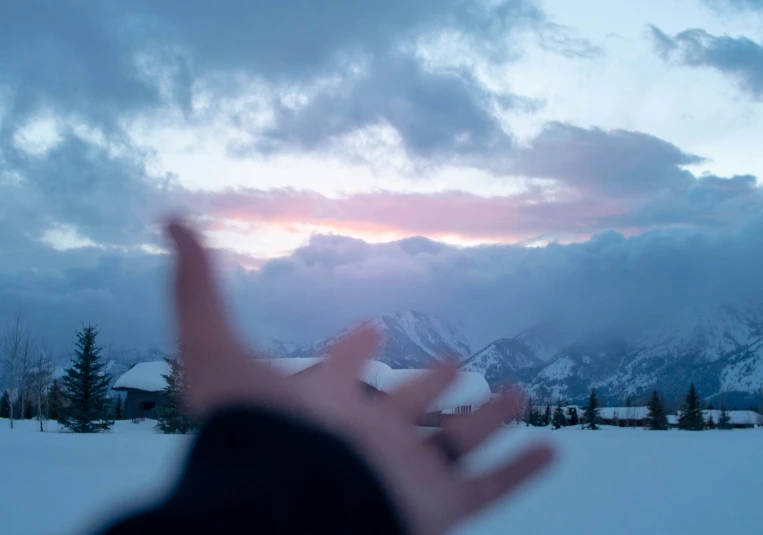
(28, 373)
(80, 401)
(535, 417)
(691, 417)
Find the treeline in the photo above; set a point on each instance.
(690, 415)
(80, 400)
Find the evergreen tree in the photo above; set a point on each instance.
(572, 416)
(530, 413)
(710, 423)
(118, 409)
(171, 414)
(55, 400)
(86, 386)
(724, 420)
(691, 417)
(5, 405)
(28, 412)
(547, 416)
(558, 420)
(591, 414)
(656, 418)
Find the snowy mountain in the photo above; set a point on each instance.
(718, 347)
(503, 361)
(282, 348)
(409, 340)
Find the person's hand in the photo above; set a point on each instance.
(421, 476)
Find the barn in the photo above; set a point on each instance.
(144, 385)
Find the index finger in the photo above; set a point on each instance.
(219, 370)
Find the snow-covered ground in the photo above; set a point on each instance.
(611, 481)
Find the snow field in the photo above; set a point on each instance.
(624, 481)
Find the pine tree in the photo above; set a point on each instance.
(55, 400)
(118, 409)
(558, 419)
(656, 418)
(86, 388)
(530, 413)
(591, 414)
(547, 416)
(5, 405)
(724, 420)
(710, 423)
(573, 418)
(170, 414)
(28, 412)
(691, 417)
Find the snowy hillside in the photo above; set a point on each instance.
(503, 360)
(409, 340)
(719, 348)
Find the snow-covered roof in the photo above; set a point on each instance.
(145, 376)
(633, 413)
(373, 370)
(736, 417)
(290, 366)
(469, 388)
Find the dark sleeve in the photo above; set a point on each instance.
(254, 471)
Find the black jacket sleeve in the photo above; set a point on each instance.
(255, 471)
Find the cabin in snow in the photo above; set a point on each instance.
(738, 419)
(144, 384)
(623, 416)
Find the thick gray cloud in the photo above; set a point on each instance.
(100, 66)
(106, 62)
(609, 282)
(739, 57)
(734, 5)
(437, 114)
(608, 162)
(108, 198)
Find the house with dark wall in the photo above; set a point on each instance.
(144, 386)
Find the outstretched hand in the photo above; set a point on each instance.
(423, 479)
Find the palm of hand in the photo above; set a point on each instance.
(432, 494)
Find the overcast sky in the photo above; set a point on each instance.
(499, 162)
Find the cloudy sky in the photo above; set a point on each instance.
(496, 161)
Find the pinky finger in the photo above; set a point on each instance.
(484, 489)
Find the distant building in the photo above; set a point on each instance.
(624, 416)
(145, 386)
(738, 419)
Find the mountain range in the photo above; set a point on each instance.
(717, 347)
